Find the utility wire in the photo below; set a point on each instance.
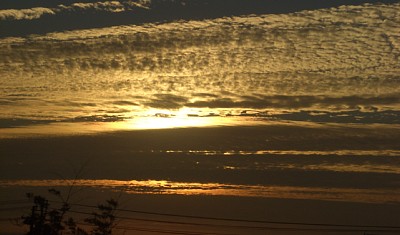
(8, 219)
(168, 222)
(165, 231)
(254, 227)
(169, 231)
(247, 221)
(14, 208)
(350, 228)
(9, 202)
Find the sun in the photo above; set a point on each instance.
(163, 122)
(166, 119)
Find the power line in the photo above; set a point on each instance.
(213, 233)
(249, 221)
(254, 227)
(8, 219)
(165, 231)
(169, 231)
(14, 202)
(14, 208)
(331, 228)
(168, 221)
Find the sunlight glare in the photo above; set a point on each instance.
(167, 122)
(165, 119)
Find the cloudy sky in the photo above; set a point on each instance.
(295, 100)
(62, 61)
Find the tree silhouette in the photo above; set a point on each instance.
(104, 220)
(45, 220)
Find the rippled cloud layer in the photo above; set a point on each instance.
(344, 59)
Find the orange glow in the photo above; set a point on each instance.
(167, 122)
(166, 119)
(186, 188)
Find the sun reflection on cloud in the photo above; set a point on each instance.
(165, 119)
(166, 122)
(181, 118)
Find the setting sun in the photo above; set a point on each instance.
(158, 122)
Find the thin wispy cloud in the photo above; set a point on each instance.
(106, 6)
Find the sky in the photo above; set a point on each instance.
(318, 62)
(288, 105)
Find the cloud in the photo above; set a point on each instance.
(25, 14)
(354, 116)
(296, 102)
(95, 118)
(106, 6)
(166, 101)
(145, 4)
(110, 6)
(336, 59)
(124, 102)
(15, 122)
